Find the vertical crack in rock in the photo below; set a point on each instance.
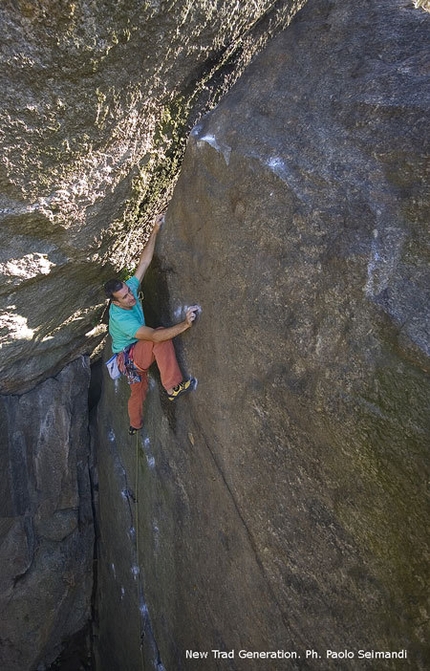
(99, 101)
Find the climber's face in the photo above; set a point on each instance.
(124, 298)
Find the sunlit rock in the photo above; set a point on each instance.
(98, 98)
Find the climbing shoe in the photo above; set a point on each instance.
(184, 386)
(132, 431)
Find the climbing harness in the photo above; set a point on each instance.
(127, 366)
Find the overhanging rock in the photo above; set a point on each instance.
(98, 99)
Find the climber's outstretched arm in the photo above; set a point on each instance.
(148, 251)
(161, 334)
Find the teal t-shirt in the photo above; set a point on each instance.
(123, 324)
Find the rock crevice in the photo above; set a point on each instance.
(99, 99)
(287, 481)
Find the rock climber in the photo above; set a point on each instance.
(136, 345)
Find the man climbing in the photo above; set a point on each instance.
(136, 345)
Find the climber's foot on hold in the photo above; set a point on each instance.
(182, 388)
(132, 430)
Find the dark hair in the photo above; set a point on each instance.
(111, 287)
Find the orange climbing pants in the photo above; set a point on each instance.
(144, 355)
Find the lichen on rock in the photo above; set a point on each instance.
(99, 98)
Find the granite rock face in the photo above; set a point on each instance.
(46, 520)
(284, 504)
(98, 99)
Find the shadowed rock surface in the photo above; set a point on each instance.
(46, 523)
(284, 504)
(98, 98)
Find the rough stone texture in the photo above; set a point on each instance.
(285, 503)
(122, 626)
(46, 522)
(98, 98)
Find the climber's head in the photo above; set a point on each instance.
(120, 294)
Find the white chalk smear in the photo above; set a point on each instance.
(220, 147)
